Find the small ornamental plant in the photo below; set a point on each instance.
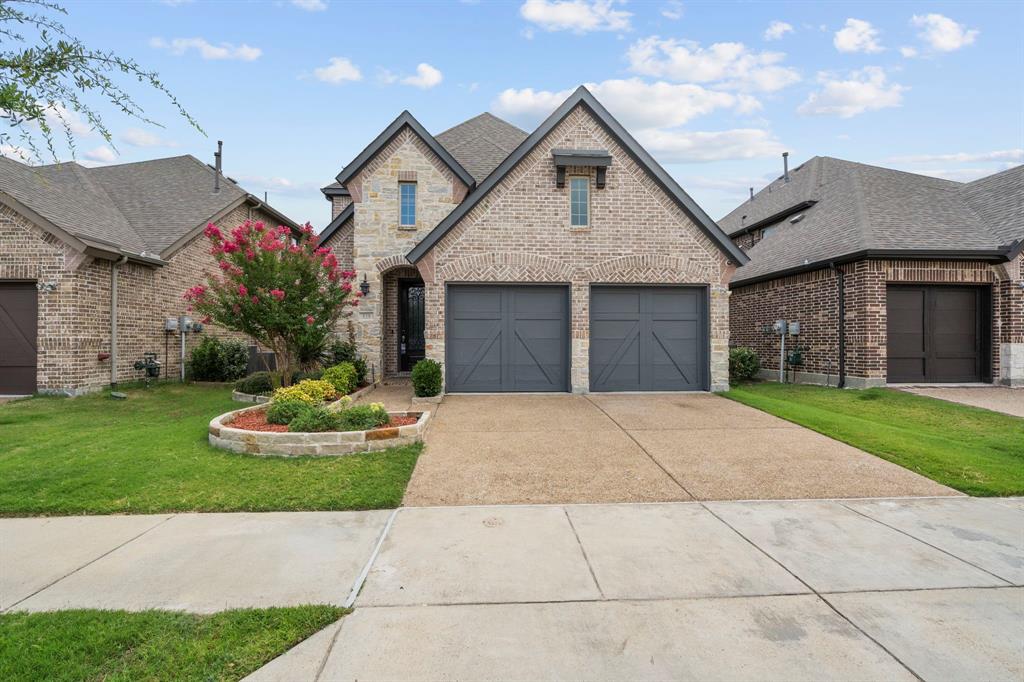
(310, 391)
(276, 286)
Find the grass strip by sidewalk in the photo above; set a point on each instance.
(149, 454)
(151, 645)
(976, 451)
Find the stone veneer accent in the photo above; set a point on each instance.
(520, 232)
(812, 299)
(74, 318)
(329, 443)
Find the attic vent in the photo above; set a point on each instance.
(796, 218)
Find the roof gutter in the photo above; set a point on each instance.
(986, 255)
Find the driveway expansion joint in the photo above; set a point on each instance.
(583, 551)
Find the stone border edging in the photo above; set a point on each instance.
(329, 443)
(430, 399)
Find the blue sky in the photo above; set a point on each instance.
(716, 91)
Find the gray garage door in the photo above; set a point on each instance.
(18, 320)
(507, 338)
(648, 339)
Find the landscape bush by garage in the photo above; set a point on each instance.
(314, 419)
(426, 378)
(363, 417)
(216, 360)
(743, 364)
(346, 351)
(284, 411)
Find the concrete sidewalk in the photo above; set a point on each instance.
(813, 589)
(866, 589)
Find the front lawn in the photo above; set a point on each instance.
(148, 454)
(973, 450)
(151, 645)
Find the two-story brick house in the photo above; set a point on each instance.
(565, 259)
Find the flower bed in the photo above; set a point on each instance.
(224, 432)
(240, 397)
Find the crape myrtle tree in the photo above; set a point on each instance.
(281, 289)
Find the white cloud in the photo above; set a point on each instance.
(207, 50)
(729, 65)
(578, 16)
(857, 36)
(673, 10)
(637, 104)
(942, 33)
(278, 185)
(426, 77)
(1002, 155)
(176, 3)
(959, 174)
(908, 52)
(338, 70)
(683, 146)
(865, 90)
(59, 117)
(777, 29)
(310, 5)
(101, 154)
(136, 137)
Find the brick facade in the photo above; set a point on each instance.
(520, 232)
(812, 299)
(74, 317)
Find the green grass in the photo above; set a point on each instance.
(148, 454)
(151, 645)
(976, 451)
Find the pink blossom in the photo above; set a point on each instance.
(206, 320)
(229, 247)
(260, 226)
(195, 293)
(346, 287)
(354, 302)
(295, 248)
(242, 290)
(213, 232)
(309, 319)
(249, 255)
(323, 250)
(277, 293)
(359, 294)
(224, 265)
(255, 299)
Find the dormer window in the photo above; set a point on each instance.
(407, 204)
(579, 201)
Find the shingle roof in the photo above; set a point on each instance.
(860, 208)
(138, 207)
(481, 143)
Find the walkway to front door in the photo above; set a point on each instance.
(507, 449)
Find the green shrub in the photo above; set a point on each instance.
(342, 376)
(361, 371)
(363, 417)
(313, 420)
(216, 360)
(743, 364)
(284, 411)
(312, 391)
(310, 374)
(426, 378)
(257, 383)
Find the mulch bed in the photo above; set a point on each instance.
(256, 420)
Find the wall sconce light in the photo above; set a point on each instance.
(46, 287)
(364, 286)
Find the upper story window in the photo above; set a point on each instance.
(579, 202)
(407, 204)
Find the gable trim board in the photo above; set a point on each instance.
(582, 96)
(404, 119)
(337, 223)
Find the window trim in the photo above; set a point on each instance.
(586, 179)
(401, 212)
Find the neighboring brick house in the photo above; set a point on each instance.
(565, 259)
(929, 270)
(67, 231)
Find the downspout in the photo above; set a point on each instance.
(114, 267)
(841, 284)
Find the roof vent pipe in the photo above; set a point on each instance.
(785, 166)
(216, 174)
(751, 193)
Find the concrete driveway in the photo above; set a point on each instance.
(518, 449)
(806, 590)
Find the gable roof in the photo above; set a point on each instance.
(860, 210)
(482, 143)
(142, 208)
(583, 97)
(337, 223)
(404, 119)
